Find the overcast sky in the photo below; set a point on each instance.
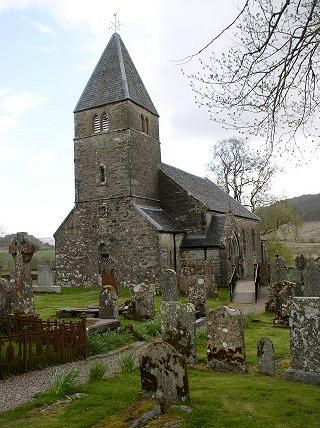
(48, 51)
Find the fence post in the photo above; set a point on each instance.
(62, 353)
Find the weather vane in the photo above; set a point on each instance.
(115, 24)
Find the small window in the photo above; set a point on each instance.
(244, 243)
(96, 124)
(102, 211)
(253, 240)
(102, 174)
(142, 123)
(105, 122)
(147, 125)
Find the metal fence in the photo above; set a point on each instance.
(29, 343)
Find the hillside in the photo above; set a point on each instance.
(307, 206)
(306, 241)
(6, 240)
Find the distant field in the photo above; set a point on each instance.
(6, 260)
(306, 241)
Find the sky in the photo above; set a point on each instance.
(48, 51)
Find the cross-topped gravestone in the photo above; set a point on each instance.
(22, 251)
(115, 24)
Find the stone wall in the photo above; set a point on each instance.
(130, 241)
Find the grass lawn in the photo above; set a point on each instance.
(218, 399)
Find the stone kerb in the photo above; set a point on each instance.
(305, 340)
(163, 373)
(178, 328)
(225, 346)
(266, 357)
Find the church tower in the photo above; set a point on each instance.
(116, 159)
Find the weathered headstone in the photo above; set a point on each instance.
(311, 280)
(305, 340)
(225, 346)
(5, 301)
(45, 276)
(281, 300)
(278, 270)
(169, 286)
(266, 357)
(198, 274)
(164, 373)
(142, 303)
(22, 251)
(108, 303)
(178, 328)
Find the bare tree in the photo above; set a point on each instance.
(267, 82)
(244, 173)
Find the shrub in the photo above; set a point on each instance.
(148, 329)
(104, 342)
(97, 372)
(63, 382)
(127, 363)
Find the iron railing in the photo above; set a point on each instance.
(256, 281)
(232, 283)
(29, 343)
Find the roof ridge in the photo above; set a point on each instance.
(122, 67)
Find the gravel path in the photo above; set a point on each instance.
(20, 389)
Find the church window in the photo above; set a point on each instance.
(96, 124)
(105, 122)
(102, 174)
(253, 239)
(147, 125)
(244, 243)
(102, 211)
(142, 123)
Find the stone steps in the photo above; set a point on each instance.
(244, 292)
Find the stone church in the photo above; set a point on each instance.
(134, 214)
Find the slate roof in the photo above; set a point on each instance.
(114, 78)
(158, 218)
(206, 192)
(213, 236)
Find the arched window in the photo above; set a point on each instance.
(105, 122)
(96, 124)
(102, 174)
(147, 125)
(244, 243)
(142, 123)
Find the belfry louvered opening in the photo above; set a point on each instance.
(96, 123)
(105, 122)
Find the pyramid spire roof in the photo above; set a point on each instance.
(115, 78)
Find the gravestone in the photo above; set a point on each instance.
(278, 270)
(163, 373)
(169, 286)
(108, 303)
(266, 357)
(198, 274)
(305, 340)
(178, 328)
(282, 294)
(22, 251)
(198, 297)
(311, 280)
(45, 276)
(5, 301)
(225, 346)
(142, 302)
